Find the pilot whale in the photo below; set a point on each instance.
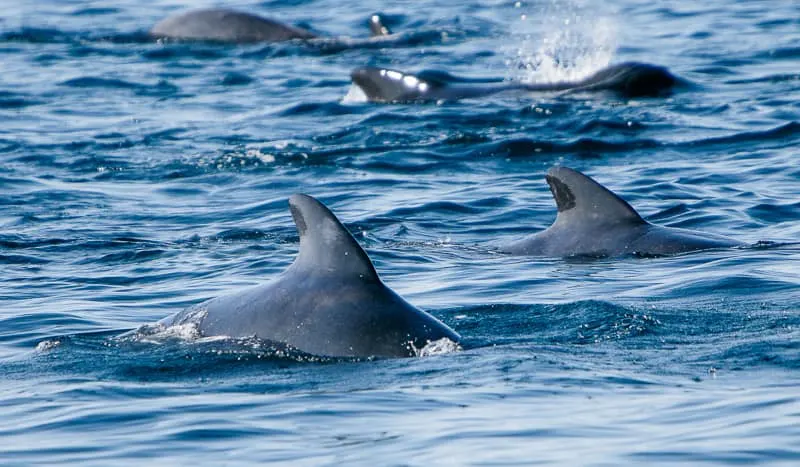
(593, 221)
(629, 79)
(329, 302)
(226, 25)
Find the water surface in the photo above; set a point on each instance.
(140, 177)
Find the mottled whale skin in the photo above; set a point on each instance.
(593, 221)
(630, 79)
(329, 302)
(231, 26)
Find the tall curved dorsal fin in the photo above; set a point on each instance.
(579, 198)
(325, 244)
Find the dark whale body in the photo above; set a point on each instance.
(231, 26)
(629, 79)
(329, 302)
(593, 221)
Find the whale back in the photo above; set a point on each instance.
(593, 221)
(225, 25)
(632, 79)
(387, 85)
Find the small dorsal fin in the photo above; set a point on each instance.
(578, 197)
(376, 26)
(325, 244)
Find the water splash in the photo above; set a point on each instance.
(560, 41)
(437, 347)
(186, 328)
(355, 95)
(47, 345)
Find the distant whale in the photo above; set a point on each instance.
(593, 221)
(329, 302)
(231, 26)
(629, 79)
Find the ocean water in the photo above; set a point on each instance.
(140, 177)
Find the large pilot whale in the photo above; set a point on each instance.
(329, 302)
(630, 79)
(593, 221)
(226, 25)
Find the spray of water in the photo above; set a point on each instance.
(560, 41)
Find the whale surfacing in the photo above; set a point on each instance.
(330, 302)
(236, 27)
(593, 221)
(385, 85)
(224, 25)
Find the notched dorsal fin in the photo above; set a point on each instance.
(377, 28)
(579, 197)
(325, 244)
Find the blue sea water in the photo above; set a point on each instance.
(140, 177)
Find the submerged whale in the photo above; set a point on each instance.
(226, 25)
(329, 302)
(593, 221)
(629, 79)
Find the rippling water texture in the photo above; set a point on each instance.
(139, 178)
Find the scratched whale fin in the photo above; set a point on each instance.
(387, 85)
(581, 199)
(377, 28)
(326, 246)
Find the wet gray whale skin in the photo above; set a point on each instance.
(329, 302)
(231, 26)
(629, 79)
(593, 221)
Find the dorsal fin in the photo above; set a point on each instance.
(376, 26)
(579, 198)
(325, 244)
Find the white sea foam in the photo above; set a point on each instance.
(187, 328)
(47, 345)
(437, 347)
